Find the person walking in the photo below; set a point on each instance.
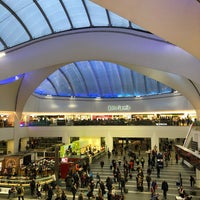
(38, 190)
(98, 179)
(148, 179)
(109, 154)
(142, 162)
(12, 191)
(164, 188)
(102, 164)
(154, 187)
(158, 171)
(74, 190)
(181, 192)
(91, 187)
(45, 189)
(192, 181)
(149, 171)
(176, 158)
(32, 187)
(102, 187)
(180, 179)
(20, 192)
(137, 161)
(63, 196)
(123, 184)
(50, 193)
(58, 192)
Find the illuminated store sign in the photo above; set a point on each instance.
(119, 108)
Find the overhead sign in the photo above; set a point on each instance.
(119, 108)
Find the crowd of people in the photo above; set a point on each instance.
(124, 165)
(37, 190)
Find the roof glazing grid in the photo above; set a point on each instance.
(25, 20)
(91, 79)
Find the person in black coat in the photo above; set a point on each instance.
(32, 187)
(164, 189)
(102, 187)
(50, 193)
(91, 190)
(123, 184)
(102, 164)
(176, 158)
(148, 179)
(158, 171)
(192, 181)
(74, 190)
(109, 183)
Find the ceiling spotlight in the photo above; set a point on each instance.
(2, 54)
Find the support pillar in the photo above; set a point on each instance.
(109, 142)
(57, 163)
(197, 184)
(66, 139)
(155, 142)
(16, 136)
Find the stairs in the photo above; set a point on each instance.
(170, 174)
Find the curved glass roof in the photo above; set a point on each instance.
(93, 79)
(22, 21)
(25, 20)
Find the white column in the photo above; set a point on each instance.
(155, 141)
(197, 178)
(66, 139)
(16, 136)
(109, 142)
(10, 147)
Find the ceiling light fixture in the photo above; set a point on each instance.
(2, 54)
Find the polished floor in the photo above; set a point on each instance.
(170, 174)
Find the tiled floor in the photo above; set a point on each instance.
(170, 174)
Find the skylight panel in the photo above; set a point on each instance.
(97, 14)
(11, 31)
(31, 16)
(77, 13)
(118, 21)
(55, 14)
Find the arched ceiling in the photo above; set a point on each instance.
(91, 79)
(79, 79)
(37, 56)
(27, 20)
(174, 21)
